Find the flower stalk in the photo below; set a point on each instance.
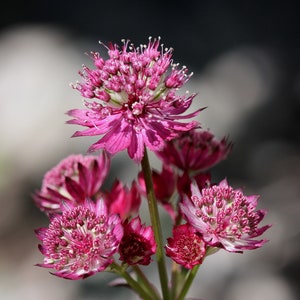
(155, 221)
(174, 279)
(187, 282)
(142, 279)
(144, 294)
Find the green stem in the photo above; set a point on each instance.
(134, 285)
(188, 281)
(146, 283)
(174, 280)
(155, 221)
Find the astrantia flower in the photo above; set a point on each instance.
(225, 217)
(186, 247)
(195, 150)
(123, 201)
(138, 243)
(81, 241)
(74, 179)
(135, 103)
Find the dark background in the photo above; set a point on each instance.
(198, 30)
(207, 36)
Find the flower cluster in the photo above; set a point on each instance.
(138, 243)
(87, 224)
(74, 179)
(81, 241)
(134, 99)
(94, 229)
(186, 247)
(195, 151)
(225, 217)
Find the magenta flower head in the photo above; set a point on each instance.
(134, 99)
(186, 247)
(138, 243)
(81, 241)
(195, 150)
(74, 179)
(225, 217)
(123, 201)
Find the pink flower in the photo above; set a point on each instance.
(135, 103)
(81, 241)
(138, 243)
(186, 247)
(74, 179)
(195, 150)
(225, 217)
(122, 201)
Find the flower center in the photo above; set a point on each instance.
(225, 210)
(78, 240)
(134, 248)
(137, 108)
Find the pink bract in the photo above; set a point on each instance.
(74, 179)
(138, 243)
(123, 201)
(195, 150)
(135, 102)
(81, 241)
(186, 247)
(225, 217)
(185, 180)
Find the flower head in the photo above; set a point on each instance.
(225, 217)
(123, 201)
(195, 150)
(186, 247)
(138, 243)
(135, 103)
(74, 179)
(81, 241)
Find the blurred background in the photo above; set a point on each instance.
(246, 64)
